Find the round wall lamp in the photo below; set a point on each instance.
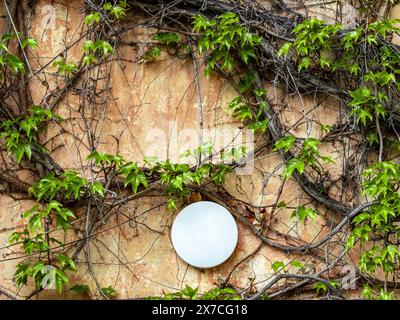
(204, 234)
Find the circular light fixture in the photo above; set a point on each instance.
(204, 234)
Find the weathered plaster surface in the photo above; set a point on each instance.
(160, 95)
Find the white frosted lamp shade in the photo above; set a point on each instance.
(204, 234)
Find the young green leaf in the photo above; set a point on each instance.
(293, 165)
(80, 288)
(284, 143)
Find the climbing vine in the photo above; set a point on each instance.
(359, 66)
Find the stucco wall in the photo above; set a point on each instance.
(158, 100)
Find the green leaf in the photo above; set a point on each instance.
(92, 18)
(354, 69)
(28, 151)
(327, 159)
(392, 251)
(37, 269)
(66, 262)
(284, 50)
(281, 204)
(31, 42)
(362, 115)
(350, 242)
(80, 288)
(260, 126)
(326, 128)
(88, 60)
(135, 179)
(380, 110)
(225, 39)
(304, 63)
(302, 213)
(118, 11)
(98, 188)
(28, 213)
(277, 265)
(320, 286)
(259, 92)
(311, 144)
(367, 292)
(243, 113)
(371, 39)
(384, 295)
(361, 217)
(35, 223)
(15, 63)
(190, 293)
(88, 46)
(206, 149)
(63, 216)
(324, 62)
(220, 294)
(14, 237)
(21, 274)
(4, 48)
(61, 279)
(152, 54)
(109, 291)
(168, 38)
(65, 68)
(284, 143)
(105, 47)
(171, 204)
(218, 176)
(292, 165)
(246, 82)
(297, 264)
(19, 152)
